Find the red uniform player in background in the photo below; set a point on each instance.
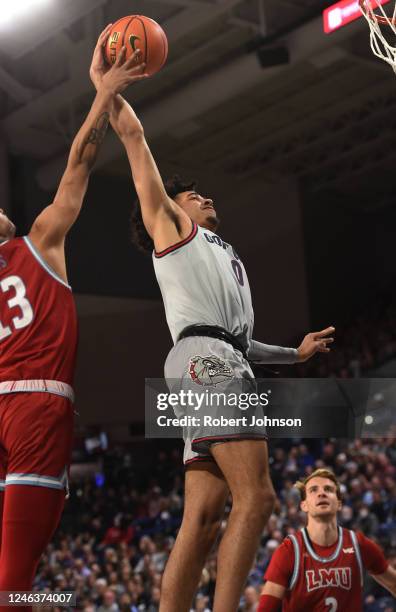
(321, 567)
(38, 341)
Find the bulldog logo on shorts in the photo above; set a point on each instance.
(209, 370)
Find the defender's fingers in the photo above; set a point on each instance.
(137, 77)
(137, 69)
(121, 56)
(134, 59)
(104, 34)
(324, 332)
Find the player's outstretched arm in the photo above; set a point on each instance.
(315, 342)
(387, 579)
(164, 220)
(269, 353)
(51, 226)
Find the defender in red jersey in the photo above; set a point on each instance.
(38, 341)
(321, 567)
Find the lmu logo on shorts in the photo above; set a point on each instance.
(209, 370)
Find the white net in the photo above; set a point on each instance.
(382, 30)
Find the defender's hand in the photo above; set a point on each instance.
(98, 65)
(124, 72)
(315, 342)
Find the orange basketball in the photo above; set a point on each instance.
(138, 32)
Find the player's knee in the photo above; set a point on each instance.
(258, 503)
(265, 501)
(210, 532)
(269, 499)
(210, 522)
(207, 522)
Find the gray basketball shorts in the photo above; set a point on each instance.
(218, 395)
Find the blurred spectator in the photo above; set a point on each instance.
(200, 604)
(251, 599)
(109, 602)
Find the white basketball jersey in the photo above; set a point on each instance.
(203, 282)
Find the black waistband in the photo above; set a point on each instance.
(212, 331)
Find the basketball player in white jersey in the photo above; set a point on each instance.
(209, 312)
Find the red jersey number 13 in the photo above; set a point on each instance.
(26, 312)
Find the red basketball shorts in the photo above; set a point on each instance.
(36, 435)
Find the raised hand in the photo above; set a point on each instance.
(98, 65)
(122, 73)
(315, 342)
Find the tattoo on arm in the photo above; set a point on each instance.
(98, 132)
(95, 135)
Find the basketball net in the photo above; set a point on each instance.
(379, 21)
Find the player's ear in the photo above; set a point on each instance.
(303, 505)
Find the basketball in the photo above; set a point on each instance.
(138, 32)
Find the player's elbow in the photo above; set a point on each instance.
(132, 133)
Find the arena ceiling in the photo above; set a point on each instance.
(327, 116)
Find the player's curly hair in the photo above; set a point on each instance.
(176, 184)
(139, 234)
(301, 486)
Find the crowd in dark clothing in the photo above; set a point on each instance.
(360, 346)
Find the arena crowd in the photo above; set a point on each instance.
(118, 528)
(362, 345)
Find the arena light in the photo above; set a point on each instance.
(15, 9)
(343, 12)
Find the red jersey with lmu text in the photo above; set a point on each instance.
(38, 321)
(324, 579)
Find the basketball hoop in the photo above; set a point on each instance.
(378, 22)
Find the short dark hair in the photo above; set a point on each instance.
(176, 184)
(140, 236)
